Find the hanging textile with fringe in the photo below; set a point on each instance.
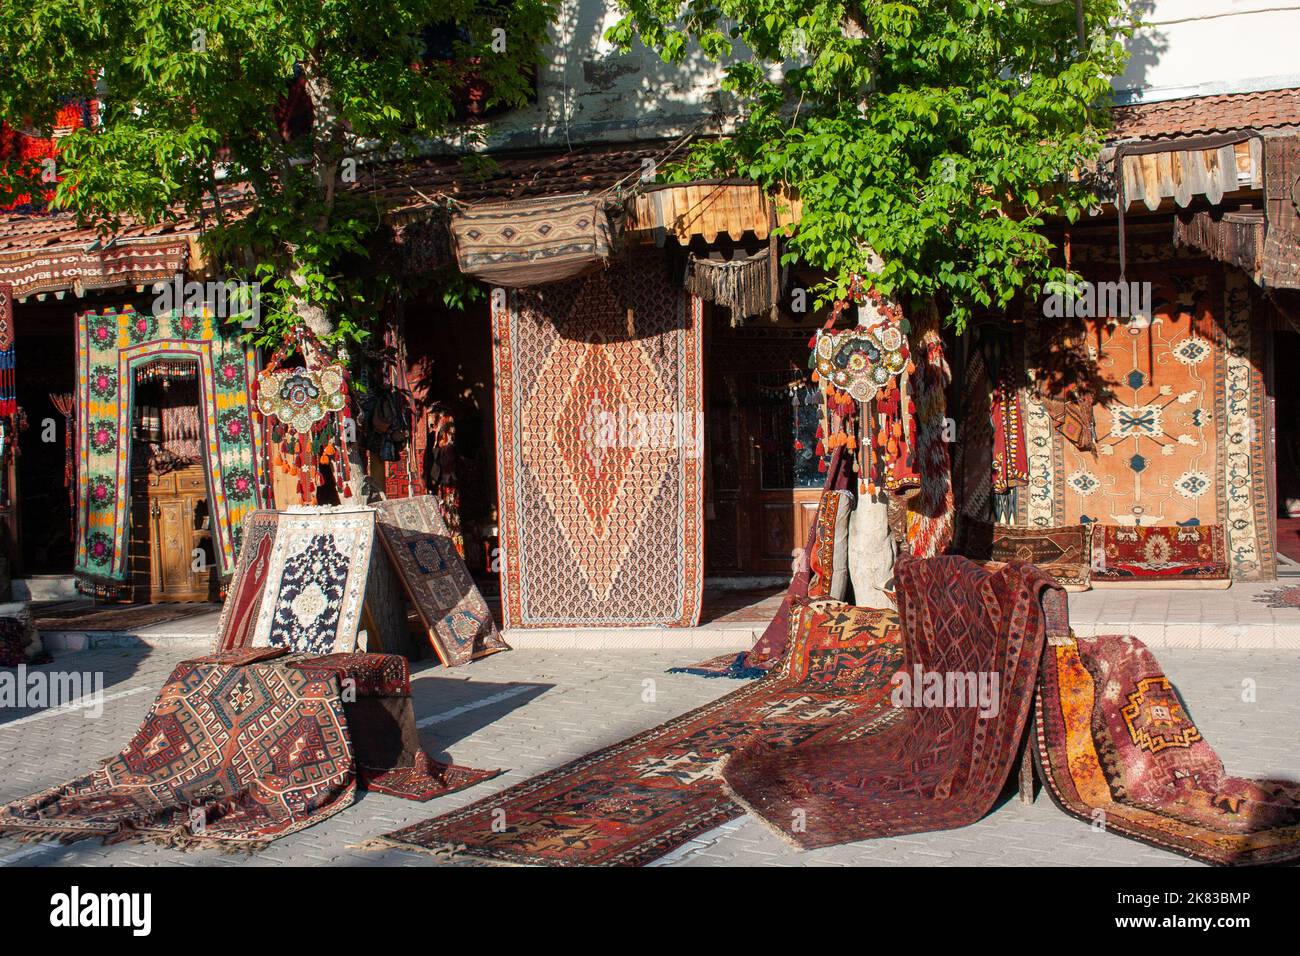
(868, 407)
(306, 407)
(930, 517)
(748, 286)
(1235, 237)
(1279, 266)
(65, 406)
(529, 242)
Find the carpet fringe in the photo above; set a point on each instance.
(749, 809)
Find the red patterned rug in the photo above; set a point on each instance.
(1116, 744)
(599, 414)
(633, 802)
(1195, 556)
(244, 747)
(946, 758)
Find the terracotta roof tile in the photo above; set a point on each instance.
(1198, 115)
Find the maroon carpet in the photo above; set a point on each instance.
(944, 763)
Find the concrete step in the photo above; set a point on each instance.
(45, 587)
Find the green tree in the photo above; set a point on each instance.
(939, 133)
(193, 105)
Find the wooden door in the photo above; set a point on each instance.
(172, 557)
(764, 482)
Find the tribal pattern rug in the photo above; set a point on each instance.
(110, 347)
(1180, 426)
(316, 581)
(1283, 597)
(631, 803)
(433, 574)
(244, 747)
(599, 415)
(946, 756)
(1063, 553)
(233, 752)
(1116, 745)
(1194, 556)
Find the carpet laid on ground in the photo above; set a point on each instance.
(945, 760)
(1194, 556)
(124, 618)
(599, 411)
(632, 802)
(1117, 744)
(243, 747)
(435, 578)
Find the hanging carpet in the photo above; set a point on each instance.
(632, 802)
(248, 585)
(1115, 742)
(599, 415)
(242, 748)
(531, 241)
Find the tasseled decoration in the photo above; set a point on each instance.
(306, 408)
(8, 393)
(65, 406)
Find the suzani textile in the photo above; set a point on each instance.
(633, 802)
(110, 347)
(942, 761)
(316, 581)
(245, 747)
(433, 574)
(599, 413)
(1115, 741)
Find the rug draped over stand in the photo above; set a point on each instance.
(943, 762)
(599, 413)
(245, 747)
(634, 801)
(1116, 744)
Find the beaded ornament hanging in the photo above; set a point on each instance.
(867, 406)
(306, 408)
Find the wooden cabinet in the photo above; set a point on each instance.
(171, 537)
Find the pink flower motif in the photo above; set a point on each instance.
(98, 549)
(141, 326)
(241, 485)
(235, 428)
(101, 436)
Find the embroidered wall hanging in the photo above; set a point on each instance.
(601, 523)
(110, 347)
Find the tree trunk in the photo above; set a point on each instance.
(871, 551)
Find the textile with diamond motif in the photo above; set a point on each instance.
(243, 747)
(633, 802)
(432, 572)
(599, 412)
(1116, 743)
(1194, 556)
(316, 581)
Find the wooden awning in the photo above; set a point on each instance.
(1152, 173)
(708, 209)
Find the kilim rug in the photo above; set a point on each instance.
(435, 578)
(599, 415)
(245, 747)
(1142, 557)
(1118, 748)
(110, 348)
(631, 803)
(316, 579)
(244, 596)
(1282, 597)
(1063, 553)
(948, 754)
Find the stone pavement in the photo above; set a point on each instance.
(530, 710)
